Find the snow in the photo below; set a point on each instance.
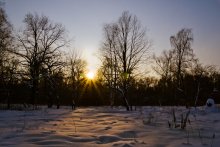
(104, 126)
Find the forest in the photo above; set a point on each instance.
(35, 68)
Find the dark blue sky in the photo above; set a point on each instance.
(84, 20)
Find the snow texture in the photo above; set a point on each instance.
(105, 127)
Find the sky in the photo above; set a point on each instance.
(84, 21)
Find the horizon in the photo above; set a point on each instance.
(84, 21)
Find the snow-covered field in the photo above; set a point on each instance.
(103, 126)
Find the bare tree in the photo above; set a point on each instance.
(76, 70)
(199, 71)
(5, 42)
(8, 63)
(110, 68)
(164, 66)
(38, 45)
(183, 53)
(51, 72)
(129, 46)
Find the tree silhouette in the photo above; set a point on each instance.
(38, 47)
(126, 40)
(76, 68)
(183, 53)
(8, 63)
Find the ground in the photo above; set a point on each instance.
(104, 126)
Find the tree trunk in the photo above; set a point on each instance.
(33, 92)
(8, 100)
(125, 96)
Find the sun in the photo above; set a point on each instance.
(90, 75)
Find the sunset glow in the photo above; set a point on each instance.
(90, 75)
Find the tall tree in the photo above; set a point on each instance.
(76, 70)
(129, 45)
(5, 43)
(8, 63)
(38, 44)
(183, 53)
(110, 68)
(164, 66)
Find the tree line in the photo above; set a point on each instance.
(35, 69)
